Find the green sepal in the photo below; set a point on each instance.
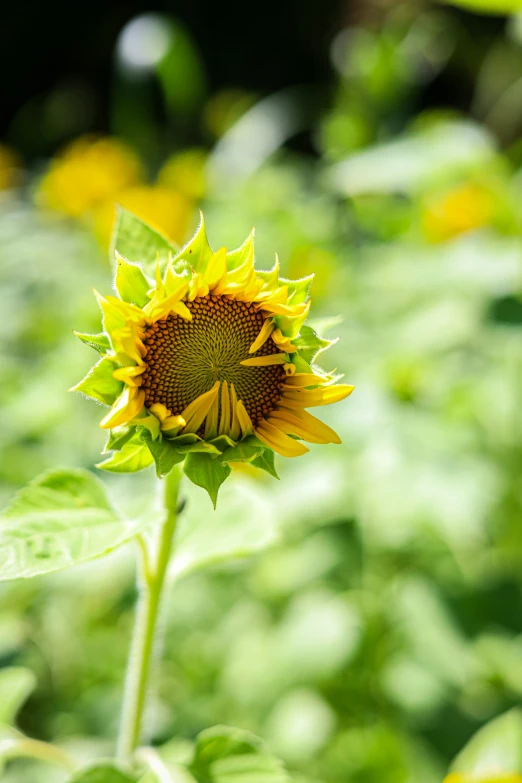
(99, 384)
(163, 452)
(131, 283)
(298, 290)
(100, 342)
(290, 325)
(300, 364)
(241, 255)
(265, 462)
(222, 442)
(131, 458)
(138, 242)
(197, 252)
(245, 451)
(206, 472)
(118, 437)
(310, 345)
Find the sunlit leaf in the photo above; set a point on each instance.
(242, 525)
(16, 685)
(228, 755)
(61, 518)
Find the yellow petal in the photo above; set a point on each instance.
(195, 413)
(235, 426)
(308, 398)
(300, 379)
(244, 419)
(212, 420)
(266, 330)
(160, 411)
(224, 423)
(129, 375)
(265, 361)
(126, 407)
(278, 441)
(306, 426)
(216, 268)
(285, 343)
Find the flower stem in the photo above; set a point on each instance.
(150, 584)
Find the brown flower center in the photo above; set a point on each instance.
(185, 358)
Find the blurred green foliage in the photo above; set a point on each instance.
(384, 627)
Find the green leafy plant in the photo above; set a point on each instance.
(257, 361)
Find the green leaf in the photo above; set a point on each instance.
(265, 462)
(242, 525)
(139, 243)
(228, 755)
(61, 518)
(133, 457)
(163, 452)
(130, 282)
(197, 252)
(16, 685)
(100, 342)
(309, 344)
(207, 472)
(101, 772)
(495, 748)
(245, 451)
(488, 6)
(99, 384)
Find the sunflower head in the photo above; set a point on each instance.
(209, 363)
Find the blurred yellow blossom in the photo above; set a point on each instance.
(501, 777)
(461, 209)
(88, 172)
(9, 167)
(185, 172)
(166, 210)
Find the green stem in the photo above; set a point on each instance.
(24, 747)
(151, 581)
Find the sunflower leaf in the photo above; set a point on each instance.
(224, 754)
(101, 772)
(99, 384)
(495, 748)
(139, 243)
(130, 282)
(100, 342)
(16, 685)
(133, 457)
(61, 518)
(205, 471)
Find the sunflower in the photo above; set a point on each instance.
(212, 358)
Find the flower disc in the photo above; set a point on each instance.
(184, 358)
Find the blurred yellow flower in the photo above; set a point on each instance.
(87, 173)
(168, 211)
(9, 167)
(459, 210)
(501, 777)
(185, 172)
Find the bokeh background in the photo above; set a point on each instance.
(377, 143)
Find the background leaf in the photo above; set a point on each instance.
(227, 755)
(62, 518)
(103, 772)
(242, 525)
(495, 748)
(16, 685)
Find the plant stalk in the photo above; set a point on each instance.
(151, 580)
